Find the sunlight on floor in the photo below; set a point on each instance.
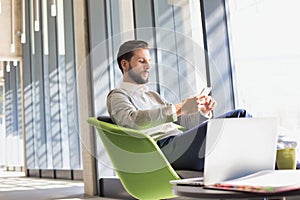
(15, 185)
(11, 181)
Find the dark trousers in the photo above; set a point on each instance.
(186, 151)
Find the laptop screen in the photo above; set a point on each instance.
(236, 147)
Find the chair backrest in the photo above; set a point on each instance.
(141, 166)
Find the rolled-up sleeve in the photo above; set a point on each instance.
(192, 120)
(125, 113)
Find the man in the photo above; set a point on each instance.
(133, 105)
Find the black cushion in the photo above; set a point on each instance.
(105, 119)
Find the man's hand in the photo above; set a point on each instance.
(191, 105)
(188, 106)
(206, 104)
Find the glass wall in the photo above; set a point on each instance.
(266, 49)
(173, 31)
(13, 116)
(50, 90)
(2, 133)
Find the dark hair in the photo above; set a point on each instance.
(127, 48)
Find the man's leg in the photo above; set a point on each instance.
(186, 151)
(236, 114)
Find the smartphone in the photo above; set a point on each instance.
(205, 91)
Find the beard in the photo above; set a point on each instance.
(137, 76)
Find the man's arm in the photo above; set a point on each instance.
(123, 112)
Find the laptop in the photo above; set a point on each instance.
(236, 147)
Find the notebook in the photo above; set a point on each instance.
(264, 182)
(237, 147)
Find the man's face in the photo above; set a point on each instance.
(139, 66)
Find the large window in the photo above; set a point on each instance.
(50, 90)
(2, 136)
(266, 52)
(173, 30)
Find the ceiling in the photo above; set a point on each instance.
(10, 44)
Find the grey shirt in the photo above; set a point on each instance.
(135, 106)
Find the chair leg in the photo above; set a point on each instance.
(111, 187)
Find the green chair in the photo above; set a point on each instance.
(141, 166)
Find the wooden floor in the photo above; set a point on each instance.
(15, 186)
